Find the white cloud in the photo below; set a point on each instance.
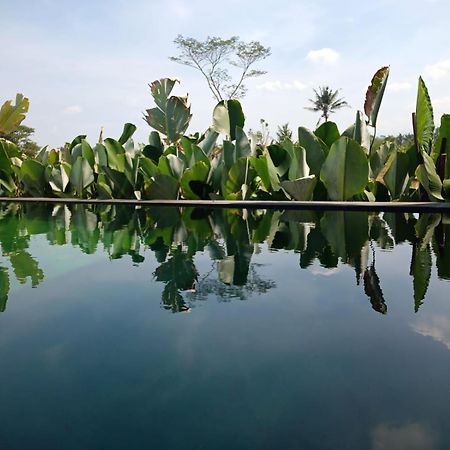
(180, 9)
(413, 436)
(324, 55)
(439, 70)
(73, 109)
(437, 327)
(399, 86)
(275, 86)
(443, 102)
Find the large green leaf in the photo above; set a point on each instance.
(178, 116)
(429, 179)
(298, 167)
(266, 170)
(11, 115)
(59, 177)
(396, 176)
(32, 175)
(128, 131)
(374, 95)
(81, 175)
(315, 155)
(443, 140)
(115, 152)
(242, 144)
(172, 115)
(301, 189)
(424, 118)
(236, 186)
(379, 157)
(228, 115)
(208, 142)
(328, 132)
(345, 171)
(161, 90)
(361, 133)
(194, 182)
(163, 187)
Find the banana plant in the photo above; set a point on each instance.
(172, 114)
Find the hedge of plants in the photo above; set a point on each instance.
(226, 163)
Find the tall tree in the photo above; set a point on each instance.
(212, 56)
(326, 101)
(21, 136)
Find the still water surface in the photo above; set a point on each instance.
(162, 328)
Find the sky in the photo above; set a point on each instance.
(87, 64)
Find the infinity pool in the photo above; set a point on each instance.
(163, 328)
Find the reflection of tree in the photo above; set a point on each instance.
(227, 291)
(177, 235)
(179, 273)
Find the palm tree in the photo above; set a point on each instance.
(326, 101)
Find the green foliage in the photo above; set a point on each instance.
(374, 95)
(345, 170)
(11, 116)
(172, 115)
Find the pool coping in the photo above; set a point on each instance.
(435, 207)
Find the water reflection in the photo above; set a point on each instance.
(231, 238)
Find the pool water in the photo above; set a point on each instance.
(165, 328)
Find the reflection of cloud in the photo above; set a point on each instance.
(436, 327)
(324, 55)
(399, 86)
(278, 85)
(323, 271)
(439, 70)
(414, 436)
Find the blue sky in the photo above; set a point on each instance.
(87, 64)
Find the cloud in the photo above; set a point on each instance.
(275, 86)
(413, 436)
(399, 86)
(439, 70)
(180, 9)
(437, 327)
(324, 55)
(73, 109)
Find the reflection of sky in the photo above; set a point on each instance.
(413, 436)
(91, 357)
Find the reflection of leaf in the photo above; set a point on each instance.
(441, 247)
(425, 228)
(4, 288)
(179, 269)
(373, 290)
(25, 266)
(172, 299)
(421, 272)
(346, 231)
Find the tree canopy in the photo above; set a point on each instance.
(213, 57)
(326, 101)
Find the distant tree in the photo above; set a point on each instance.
(326, 101)
(284, 132)
(212, 56)
(21, 136)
